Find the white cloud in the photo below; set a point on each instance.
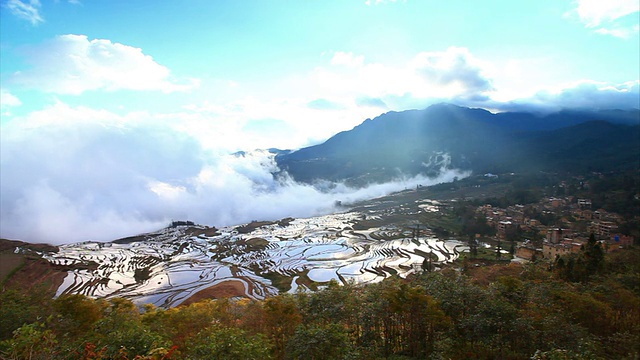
(451, 74)
(285, 123)
(517, 77)
(347, 59)
(29, 11)
(455, 68)
(585, 94)
(73, 64)
(8, 100)
(623, 33)
(595, 12)
(594, 95)
(607, 17)
(456, 75)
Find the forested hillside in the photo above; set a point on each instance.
(511, 311)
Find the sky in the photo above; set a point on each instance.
(117, 116)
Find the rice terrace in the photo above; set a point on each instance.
(168, 267)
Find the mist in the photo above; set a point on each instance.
(66, 182)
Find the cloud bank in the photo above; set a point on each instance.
(456, 75)
(74, 174)
(425, 78)
(587, 95)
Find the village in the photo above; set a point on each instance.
(569, 223)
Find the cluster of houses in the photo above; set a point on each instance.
(576, 216)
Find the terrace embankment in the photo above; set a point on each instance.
(225, 289)
(26, 269)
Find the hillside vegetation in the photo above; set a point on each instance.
(502, 311)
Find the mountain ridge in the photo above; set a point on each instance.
(473, 138)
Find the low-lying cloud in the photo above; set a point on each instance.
(590, 95)
(103, 178)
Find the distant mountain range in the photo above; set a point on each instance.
(423, 141)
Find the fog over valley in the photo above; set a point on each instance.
(101, 181)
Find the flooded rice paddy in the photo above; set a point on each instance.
(170, 266)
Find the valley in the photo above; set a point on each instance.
(172, 265)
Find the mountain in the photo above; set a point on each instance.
(423, 141)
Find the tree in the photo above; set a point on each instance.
(594, 256)
(33, 342)
(473, 246)
(320, 342)
(228, 343)
(121, 332)
(333, 304)
(180, 324)
(282, 319)
(412, 321)
(582, 266)
(19, 308)
(76, 314)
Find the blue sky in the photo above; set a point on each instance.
(231, 54)
(82, 82)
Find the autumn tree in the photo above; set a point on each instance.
(320, 342)
(227, 343)
(77, 314)
(282, 319)
(121, 332)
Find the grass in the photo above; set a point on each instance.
(10, 263)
